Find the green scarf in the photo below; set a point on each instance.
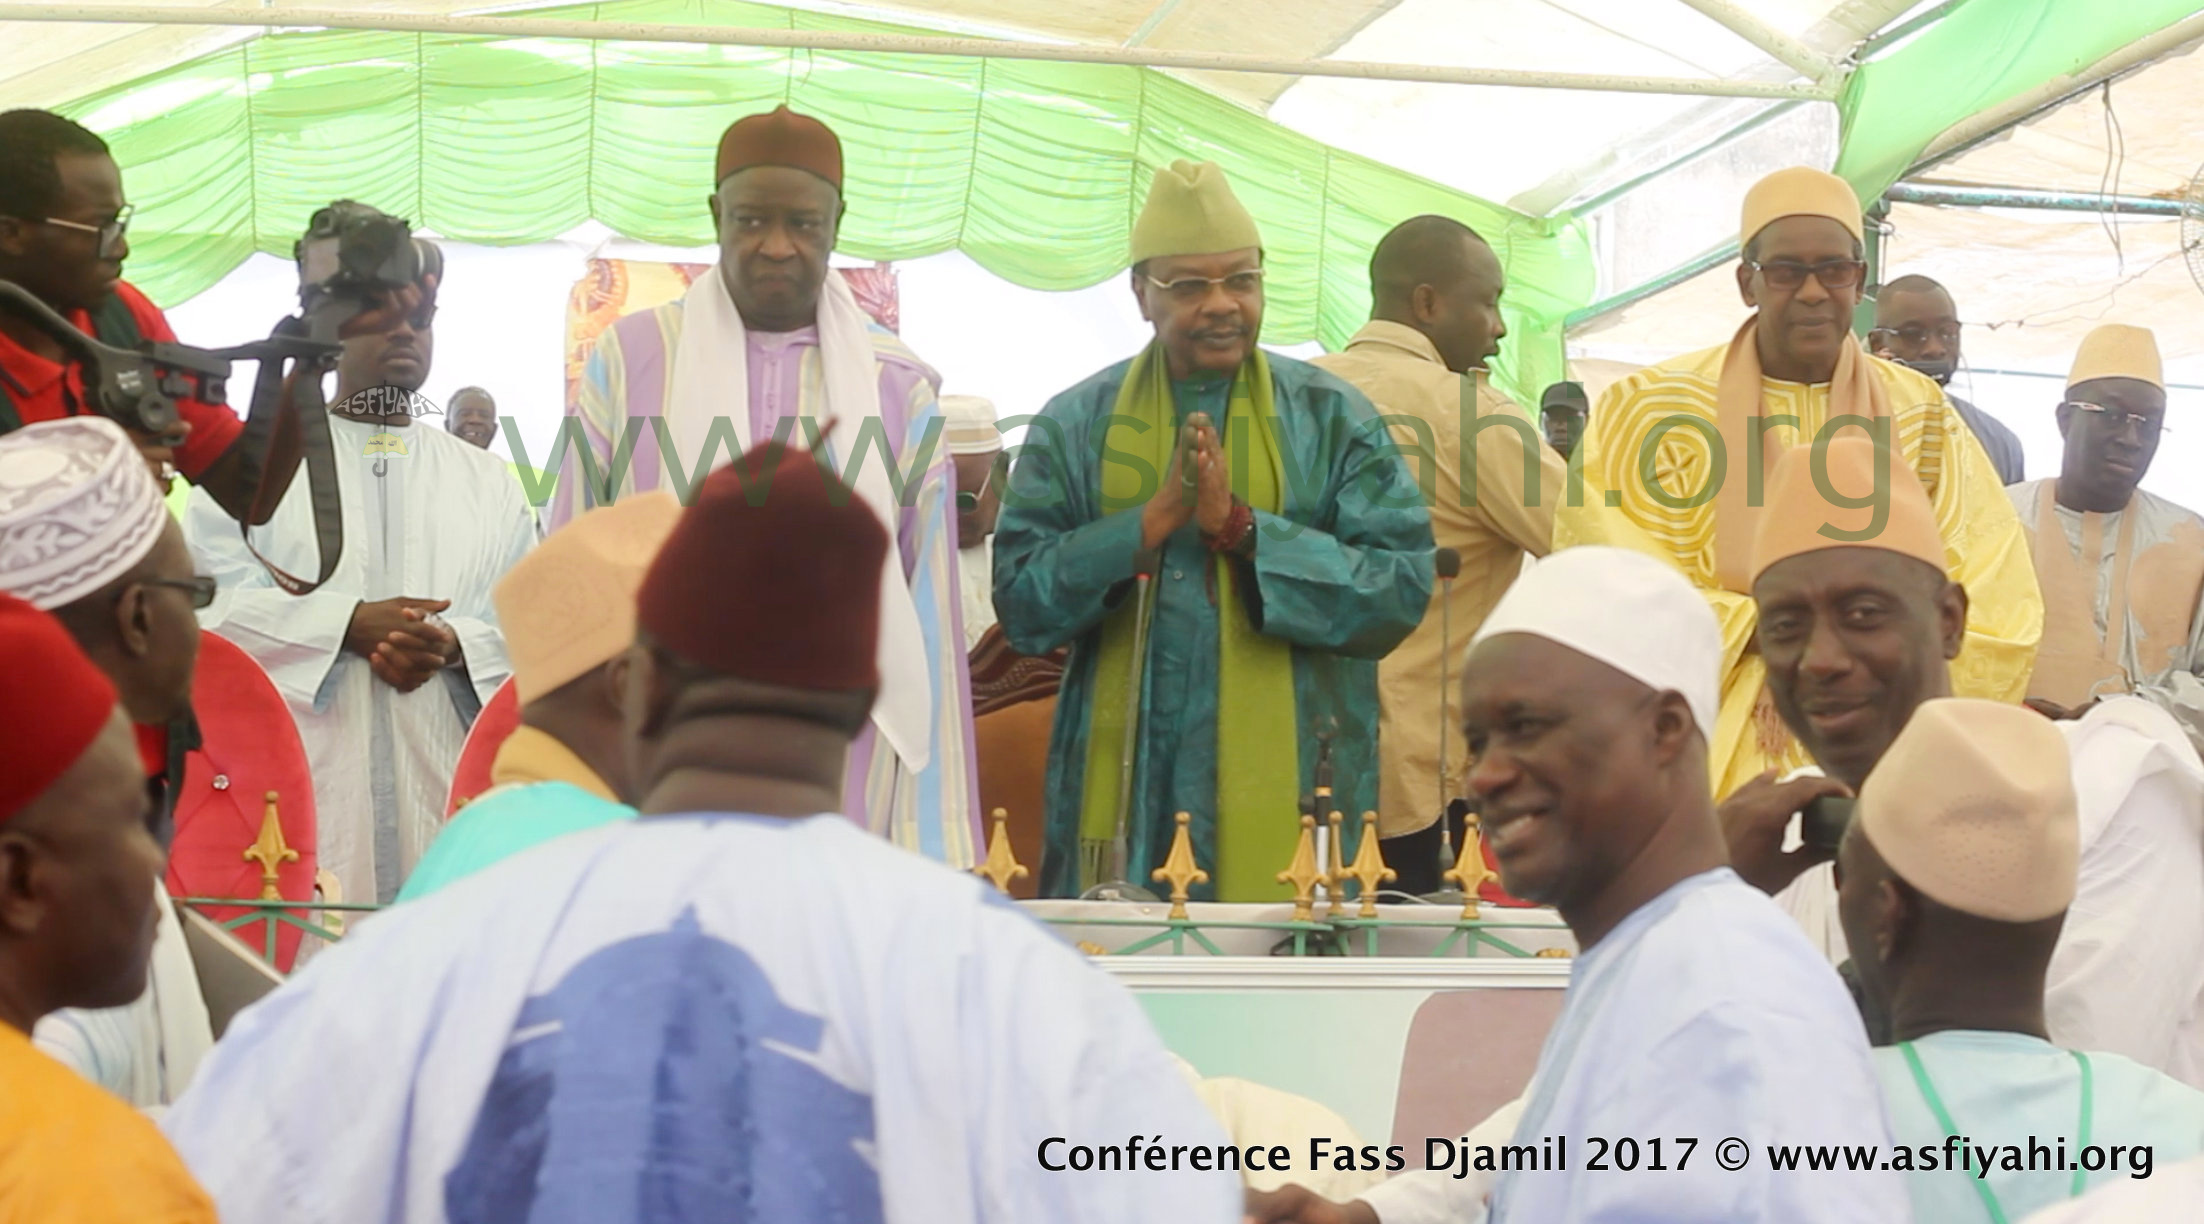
(1258, 753)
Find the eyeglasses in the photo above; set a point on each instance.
(201, 586)
(967, 502)
(2118, 419)
(110, 233)
(1790, 273)
(1190, 289)
(1946, 334)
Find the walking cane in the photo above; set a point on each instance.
(1117, 887)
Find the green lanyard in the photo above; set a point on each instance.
(1943, 1118)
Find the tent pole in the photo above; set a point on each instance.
(1785, 49)
(1965, 195)
(901, 44)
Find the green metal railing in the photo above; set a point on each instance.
(273, 916)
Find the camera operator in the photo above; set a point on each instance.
(63, 223)
(386, 664)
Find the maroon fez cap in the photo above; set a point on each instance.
(772, 575)
(780, 138)
(57, 703)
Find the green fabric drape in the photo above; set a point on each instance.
(1983, 54)
(1033, 169)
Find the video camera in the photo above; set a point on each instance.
(353, 254)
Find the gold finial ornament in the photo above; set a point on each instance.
(1304, 874)
(1001, 866)
(1552, 953)
(1335, 870)
(1469, 871)
(1092, 948)
(270, 851)
(1178, 867)
(1370, 869)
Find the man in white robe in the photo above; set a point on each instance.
(771, 343)
(738, 1007)
(83, 534)
(1958, 867)
(386, 665)
(1862, 637)
(1695, 1011)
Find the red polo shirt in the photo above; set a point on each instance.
(44, 390)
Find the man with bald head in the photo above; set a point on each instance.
(1956, 876)
(1917, 326)
(1859, 621)
(1681, 451)
(2122, 569)
(78, 868)
(1434, 323)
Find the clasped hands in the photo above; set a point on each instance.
(1209, 506)
(403, 646)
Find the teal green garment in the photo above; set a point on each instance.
(2004, 1089)
(1344, 575)
(504, 822)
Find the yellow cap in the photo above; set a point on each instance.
(1797, 509)
(1974, 805)
(2117, 350)
(1800, 191)
(569, 605)
(1191, 211)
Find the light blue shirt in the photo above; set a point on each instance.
(2010, 1089)
(1705, 1015)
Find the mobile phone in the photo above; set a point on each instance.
(1823, 821)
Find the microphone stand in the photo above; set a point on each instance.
(1449, 565)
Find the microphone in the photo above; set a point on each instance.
(1449, 565)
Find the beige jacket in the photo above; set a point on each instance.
(1397, 367)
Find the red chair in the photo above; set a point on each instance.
(471, 776)
(249, 748)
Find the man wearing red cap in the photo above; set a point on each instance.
(771, 344)
(77, 859)
(736, 1007)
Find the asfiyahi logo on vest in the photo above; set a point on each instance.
(377, 403)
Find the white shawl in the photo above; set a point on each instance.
(711, 378)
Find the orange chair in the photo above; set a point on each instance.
(471, 776)
(249, 747)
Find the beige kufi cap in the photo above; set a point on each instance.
(1798, 511)
(2117, 350)
(968, 425)
(77, 509)
(1191, 211)
(569, 605)
(1633, 613)
(1800, 191)
(1973, 804)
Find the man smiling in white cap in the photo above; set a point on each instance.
(1695, 1010)
(1956, 873)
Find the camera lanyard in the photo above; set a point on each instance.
(1943, 1118)
(289, 346)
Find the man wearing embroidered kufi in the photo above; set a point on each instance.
(84, 535)
(771, 343)
(2122, 569)
(1959, 871)
(1710, 425)
(1290, 550)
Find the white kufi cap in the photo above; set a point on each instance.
(968, 425)
(78, 509)
(1625, 609)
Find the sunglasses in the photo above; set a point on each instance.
(968, 502)
(1790, 274)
